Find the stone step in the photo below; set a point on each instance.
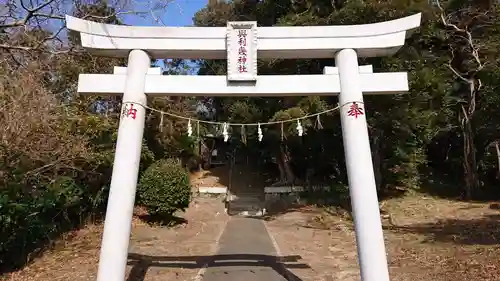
(246, 213)
(245, 197)
(246, 200)
(247, 205)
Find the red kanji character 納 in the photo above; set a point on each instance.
(125, 110)
(132, 111)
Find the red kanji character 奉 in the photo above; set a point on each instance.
(132, 112)
(355, 110)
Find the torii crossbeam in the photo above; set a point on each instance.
(264, 86)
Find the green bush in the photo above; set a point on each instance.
(164, 188)
(31, 218)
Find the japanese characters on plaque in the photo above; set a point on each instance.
(242, 51)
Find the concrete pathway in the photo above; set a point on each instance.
(246, 253)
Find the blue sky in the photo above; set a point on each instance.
(178, 13)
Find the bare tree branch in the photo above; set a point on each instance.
(22, 48)
(468, 107)
(465, 32)
(25, 16)
(31, 12)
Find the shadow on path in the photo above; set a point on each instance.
(251, 263)
(246, 252)
(483, 231)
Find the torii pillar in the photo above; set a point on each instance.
(348, 79)
(362, 188)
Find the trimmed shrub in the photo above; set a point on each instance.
(164, 188)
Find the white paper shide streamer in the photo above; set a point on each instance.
(224, 132)
(300, 130)
(190, 128)
(259, 132)
(226, 125)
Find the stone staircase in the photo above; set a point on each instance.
(245, 195)
(248, 204)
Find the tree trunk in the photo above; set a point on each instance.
(281, 168)
(283, 161)
(471, 78)
(497, 149)
(377, 157)
(469, 154)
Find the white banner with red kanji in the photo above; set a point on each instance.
(242, 51)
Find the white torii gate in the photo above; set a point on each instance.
(240, 43)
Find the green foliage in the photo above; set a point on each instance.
(411, 134)
(56, 150)
(335, 194)
(164, 188)
(28, 218)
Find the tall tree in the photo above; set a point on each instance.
(451, 78)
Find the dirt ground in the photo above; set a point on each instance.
(216, 177)
(243, 179)
(429, 239)
(156, 252)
